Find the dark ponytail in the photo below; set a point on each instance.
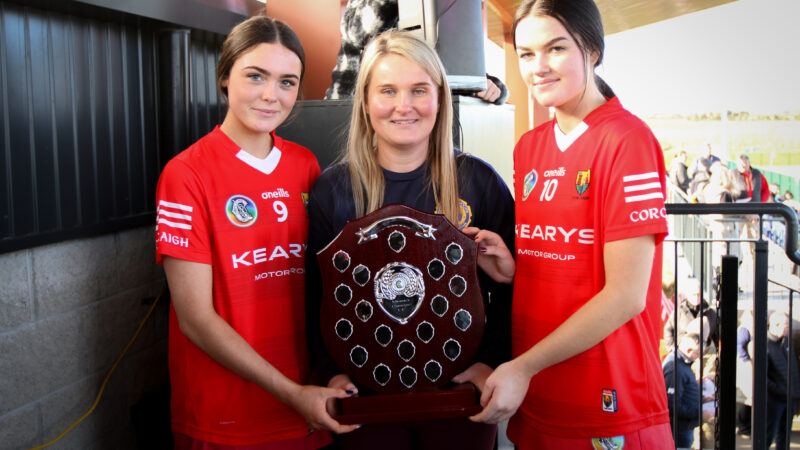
(604, 88)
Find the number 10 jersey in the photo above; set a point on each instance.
(574, 193)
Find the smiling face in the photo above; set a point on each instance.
(402, 102)
(262, 88)
(551, 63)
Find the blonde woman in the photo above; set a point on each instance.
(400, 150)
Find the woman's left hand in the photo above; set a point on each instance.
(494, 258)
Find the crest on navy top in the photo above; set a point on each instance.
(464, 214)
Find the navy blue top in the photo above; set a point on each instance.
(683, 395)
(490, 206)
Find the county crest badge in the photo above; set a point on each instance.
(464, 213)
(528, 183)
(582, 181)
(610, 400)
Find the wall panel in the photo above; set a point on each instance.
(79, 119)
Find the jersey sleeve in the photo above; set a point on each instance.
(635, 195)
(182, 228)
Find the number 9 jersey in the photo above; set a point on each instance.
(246, 217)
(602, 182)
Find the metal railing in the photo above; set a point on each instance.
(689, 230)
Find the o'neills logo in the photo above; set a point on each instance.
(277, 193)
(560, 172)
(241, 211)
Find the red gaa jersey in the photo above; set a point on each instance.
(605, 181)
(246, 217)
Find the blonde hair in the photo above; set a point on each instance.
(366, 176)
(720, 177)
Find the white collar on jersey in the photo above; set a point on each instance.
(266, 165)
(565, 140)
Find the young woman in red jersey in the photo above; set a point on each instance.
(590, 219)
(231, 233)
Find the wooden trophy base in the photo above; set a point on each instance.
(459, 400)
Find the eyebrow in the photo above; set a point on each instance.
(548, 44)
(554, 40)
(266, 72)
(421, 83)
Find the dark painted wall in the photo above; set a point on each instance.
(91, 107)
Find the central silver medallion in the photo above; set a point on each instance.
(399, 290)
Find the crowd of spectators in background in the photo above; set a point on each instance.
(691, 305)
(689, 367)
(683, 389)
(689, 344)
(709, 180)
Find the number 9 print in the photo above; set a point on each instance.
(281, 210)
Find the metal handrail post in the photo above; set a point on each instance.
(728, 317)
(759, 417)
(674, 319)
(789, 357)
(701, 316)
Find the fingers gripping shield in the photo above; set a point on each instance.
(416, 317)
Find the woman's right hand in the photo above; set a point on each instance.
(494, 257)
(312, 403)
(503, 392)
(343, 381)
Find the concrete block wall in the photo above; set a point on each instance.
(66, 312)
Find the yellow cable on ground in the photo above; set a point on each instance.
(108, 375)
